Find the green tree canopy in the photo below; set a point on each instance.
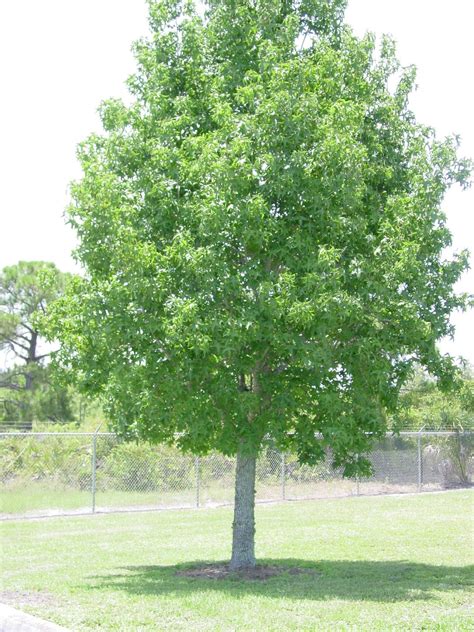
(422, 405)
(263, 238)
(26, 289)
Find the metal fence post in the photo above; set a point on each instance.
(357, 481)
(283, 476)
(94, 469)
(420, 462)
(197, 469)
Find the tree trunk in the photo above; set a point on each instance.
(31, 361)
(243, 528)
(28, 377)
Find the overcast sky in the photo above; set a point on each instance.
(60, 58)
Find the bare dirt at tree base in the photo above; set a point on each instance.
(261, 572)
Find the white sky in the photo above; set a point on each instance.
(60, 58)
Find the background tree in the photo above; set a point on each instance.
(263, 241)
(423, 406)
(25, 389)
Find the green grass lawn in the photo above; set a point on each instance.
(374, 563)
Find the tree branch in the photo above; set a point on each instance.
(32, 331)
(12, 341)
(280, 368)
(11, 386)
(22, 336)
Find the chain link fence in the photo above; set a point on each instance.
(61, 473)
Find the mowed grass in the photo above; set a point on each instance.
(373, 563)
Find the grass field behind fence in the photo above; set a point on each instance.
(383, 563)
(37, 499)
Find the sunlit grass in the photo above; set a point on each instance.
(384, 563)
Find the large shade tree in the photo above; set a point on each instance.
(262, 238)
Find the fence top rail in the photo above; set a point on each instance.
(424, 433)
(414, 433)
(57, 434)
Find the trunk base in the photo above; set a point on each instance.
(242, 565)
(243, 528)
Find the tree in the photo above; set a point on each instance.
(423, 406)
(263, 241)
(25, 290)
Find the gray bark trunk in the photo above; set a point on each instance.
(243, 528)
(31, 361)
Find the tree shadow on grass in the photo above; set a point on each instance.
(382, 581)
